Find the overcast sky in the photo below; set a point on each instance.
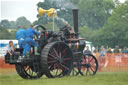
(12, 9)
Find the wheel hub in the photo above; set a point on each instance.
(88, 65)
(59, 60)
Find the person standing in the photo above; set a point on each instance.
(125, 50)
(87, 51)
(102, 55)
(109, 50)
(116, 50)
(30, 32)
(20, 35)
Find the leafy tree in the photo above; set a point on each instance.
(5, 23)
(114, 32)
(117, 28)
(4, 34)
(23, 22)
(64, 15)
(49, 26)
(93, 35)
(13, 25)
(94, 13)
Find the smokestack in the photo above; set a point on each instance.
(75, 20)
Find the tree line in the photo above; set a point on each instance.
(5, 25)
(102, 22)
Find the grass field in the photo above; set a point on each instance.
(101, 78)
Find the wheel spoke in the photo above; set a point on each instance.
(27, 68)
(49, 67)
(52, 61)
(66, 59)
(58, 48)
(52, 56)
(57, 70)
(63, 52)
(93, 63)
(52, 53)
(63, 55)
(55, 52)
(64, 62)
(90, 60)
(92, 69)
(60, 55)
(65, 67)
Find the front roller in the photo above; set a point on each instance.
(89, 65)
(56, 59)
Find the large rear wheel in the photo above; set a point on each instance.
(56, 59)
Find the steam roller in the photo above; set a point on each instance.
(58, 54)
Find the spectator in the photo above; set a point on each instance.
(87, 51)
(10, 48)
(102, 55)
(125, 50)
(100, 48)
(109, 50)
(94, 52)
(116, 50)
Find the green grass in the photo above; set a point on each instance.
(102, 78)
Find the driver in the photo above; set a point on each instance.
(30, 32)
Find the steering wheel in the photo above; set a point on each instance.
(39, 28)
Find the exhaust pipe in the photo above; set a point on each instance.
(75, 20)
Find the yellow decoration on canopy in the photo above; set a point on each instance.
(51, 12)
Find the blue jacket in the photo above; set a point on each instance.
(30, 32)
(20, 34)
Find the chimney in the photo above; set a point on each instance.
(75, 20)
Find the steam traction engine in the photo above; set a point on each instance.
(58, 54)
